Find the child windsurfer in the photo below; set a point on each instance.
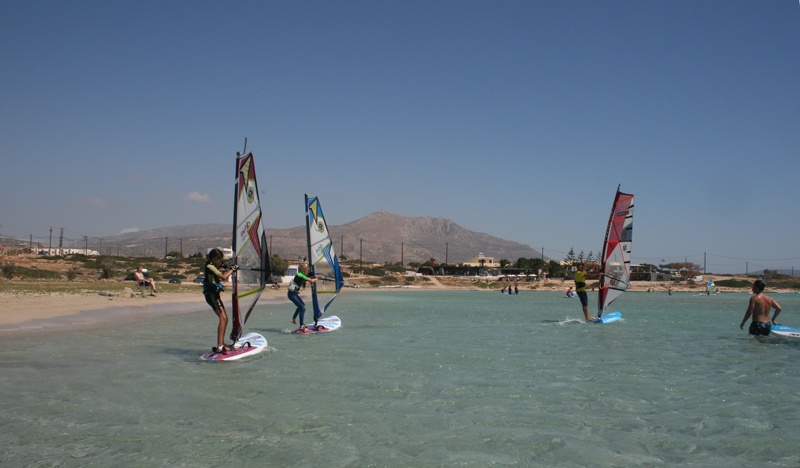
(295, 285)
(212, 287)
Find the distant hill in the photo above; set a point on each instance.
(379, 237)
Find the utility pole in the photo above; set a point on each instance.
(361, 254)
(86, 245)
(50, 250)
(746, 268)
(182, 247)
(402, 259)
(542, 253)
(704, 263)
(61, 242)
(446, 248)
(166, 246)
(341, 246)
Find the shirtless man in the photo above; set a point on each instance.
(759, 308)
(139, 275)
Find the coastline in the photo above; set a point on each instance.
(31, 311)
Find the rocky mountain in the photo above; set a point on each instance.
(380, 237)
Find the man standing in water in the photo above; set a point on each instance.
(580, 288)
(759, 308)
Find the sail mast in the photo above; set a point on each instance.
(234, 250)
(310, 260)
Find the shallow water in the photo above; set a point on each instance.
(415, 378)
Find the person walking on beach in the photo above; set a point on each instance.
(212, 287)
(139, 275)
(295, 285)
(759, 308)
(580, 289)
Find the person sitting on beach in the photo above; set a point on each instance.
(212, 287)
(569, 291)
(759, 308)
(140, 278)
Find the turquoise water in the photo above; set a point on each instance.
(414, 378)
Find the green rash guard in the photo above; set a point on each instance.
(580, 281)
(297, 282)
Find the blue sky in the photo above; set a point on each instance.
(517, 119)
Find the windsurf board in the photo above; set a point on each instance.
(248, 345)
(608, 318)
(783, 330)
(327, 324)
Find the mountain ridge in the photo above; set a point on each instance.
(381, 237)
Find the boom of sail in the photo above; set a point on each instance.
(615, 268)
(324, 264)
(249, 245)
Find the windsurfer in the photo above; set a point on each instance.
(580, 289)
(295, 285)
(212, 287)
(759, 308)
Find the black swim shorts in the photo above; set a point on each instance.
(760, 328)
(584, 299)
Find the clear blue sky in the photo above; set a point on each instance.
(517, 119)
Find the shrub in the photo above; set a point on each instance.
(375, 283)
(733, 283)
(72, 273)
(9, 270)
(107, 268)
(390, 279)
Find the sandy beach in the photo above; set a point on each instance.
(31, 311)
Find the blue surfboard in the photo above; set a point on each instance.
(608, 318)
(783, 330)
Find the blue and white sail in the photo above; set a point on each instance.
(324, 263)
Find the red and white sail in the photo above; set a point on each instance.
(250, 253)
(615, 269)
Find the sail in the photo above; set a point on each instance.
(711, 287)
(324, 264)
(615, 269)
(249, 245)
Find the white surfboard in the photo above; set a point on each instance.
(326, 324)
(783, 330)
(248, 345)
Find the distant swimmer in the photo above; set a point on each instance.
(759, 308)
